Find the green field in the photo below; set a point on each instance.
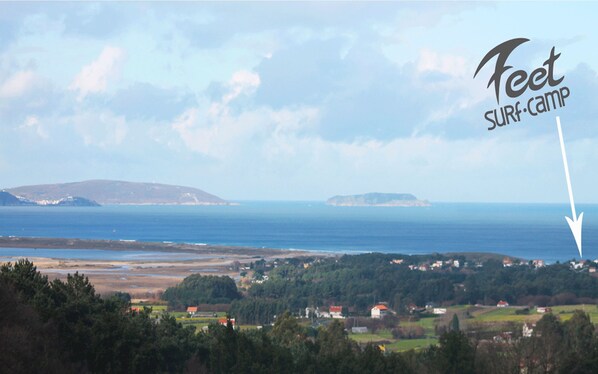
(484, 316)
(407, 344)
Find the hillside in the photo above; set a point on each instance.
(107, 192)
(378, 199)
(8, 199)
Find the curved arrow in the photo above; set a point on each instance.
(575, 222)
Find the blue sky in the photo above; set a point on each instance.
(292, 101)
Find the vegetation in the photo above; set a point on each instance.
(64, 326)
(197, 289)
(358, 281)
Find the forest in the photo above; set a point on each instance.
(64, 326)
(357, 282)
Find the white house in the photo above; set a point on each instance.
(527, 331)
(439, 311)
(502, 304)
(336, 311)
(379, 311)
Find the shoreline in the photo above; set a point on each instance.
(144, 278)
(133, 245)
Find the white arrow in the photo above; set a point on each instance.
(575, 223)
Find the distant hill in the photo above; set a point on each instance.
(107, 192)
(8, 199)
(378, 199)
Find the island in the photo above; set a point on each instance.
(378, 199)
(8, 199)
(110, 192)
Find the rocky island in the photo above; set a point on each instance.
(378, 199)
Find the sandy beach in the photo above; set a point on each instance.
(144, 278)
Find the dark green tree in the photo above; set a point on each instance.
(454, 326)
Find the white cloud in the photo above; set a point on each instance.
(33, 123)
(18, 84)
(99, 129)
(242, 82)
(214, 130)
(451, 65)
(94, 77)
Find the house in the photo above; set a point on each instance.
(456, 263)
(192, 311)
(502, 304)
(379, 311)
(527, 330)
(439, 311)
(592, 270)
(577, 265)
(503, 337)
(543, 309)
(437, 265)
(507, 262)
(538, 263)
(359, 330)
(336, 311)
(224, 321)
(397, 261)
(137, 309)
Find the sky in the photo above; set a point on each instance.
(294, 101)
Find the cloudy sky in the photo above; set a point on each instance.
(293, 101)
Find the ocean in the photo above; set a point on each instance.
(530, 231)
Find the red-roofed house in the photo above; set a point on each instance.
(336, 311)
(192, 310)
(502, 304)
(137, 309)
(379, 311)
(224, 321)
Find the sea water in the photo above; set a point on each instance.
(530, 231)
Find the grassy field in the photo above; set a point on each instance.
(566, 311)
(407, 344)
(486, 316)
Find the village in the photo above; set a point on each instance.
(413, 327)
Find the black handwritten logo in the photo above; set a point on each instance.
(518, 82)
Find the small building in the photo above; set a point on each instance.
(224, 321)
(538, 263)
(507, 262)
(437, 265)
(502, 304)
(359, 330)
(439, 311)
(397, 261)
(336, 311)
(379, 311)
(543, 309)
(192, 311)
(577, 265)
(503, 337)
(527, 330)
(137, 309)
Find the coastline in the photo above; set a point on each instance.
(147, 277)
